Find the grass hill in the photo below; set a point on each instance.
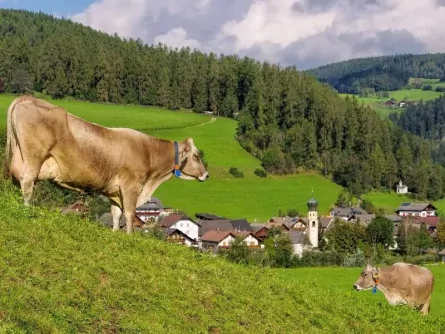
(406, 93)
(385, 73)
(251, 197)
(61, 274)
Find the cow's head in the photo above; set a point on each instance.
(191, 165)
(368, 279)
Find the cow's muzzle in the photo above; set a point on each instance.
(357, 287)
(204, 177)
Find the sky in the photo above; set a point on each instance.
(305, 33)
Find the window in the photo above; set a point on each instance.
(313, 224)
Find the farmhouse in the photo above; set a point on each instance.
(346, 212)
(182, 223)
(249, 238)
(213, 240)
(152, 210)
(260, 231)
(401, 188)
(416, 209)
(173, 235)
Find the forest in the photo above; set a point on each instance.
(385, 73)
(286, 118)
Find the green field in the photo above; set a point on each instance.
(251, 197)
(342, 279)
(62, 274)
(402, 94)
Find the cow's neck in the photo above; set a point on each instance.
(384, 283)
(161, 168)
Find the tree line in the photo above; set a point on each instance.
(286, 118)
(380, 73)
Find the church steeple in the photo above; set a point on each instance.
(312, 217)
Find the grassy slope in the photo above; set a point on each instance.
(250, 197)
(342, 279)
(61, 274)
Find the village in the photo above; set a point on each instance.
(208, 232)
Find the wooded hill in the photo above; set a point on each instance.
(380, 73)
(287, 119)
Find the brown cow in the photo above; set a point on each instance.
(46, 142)
(401, 283)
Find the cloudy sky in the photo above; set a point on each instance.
(305, 33)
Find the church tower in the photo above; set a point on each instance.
(312, 217)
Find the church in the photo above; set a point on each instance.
(303, 231)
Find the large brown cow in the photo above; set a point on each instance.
(401, 283)
(46, 142)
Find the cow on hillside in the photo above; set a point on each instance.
(44, 142)
(401, 283)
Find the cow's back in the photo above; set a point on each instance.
(70, 148)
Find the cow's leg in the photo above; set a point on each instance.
(28, 176)
(116, 212)
(129, 200)
(425, 309)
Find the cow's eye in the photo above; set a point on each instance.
(195, 158)
(366, 274)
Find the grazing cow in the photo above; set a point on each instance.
(401, 283)
(44, 142)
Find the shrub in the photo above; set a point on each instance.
(355, 260)
(440, 89)
(318, 259)
(260, 172)
(236, 172)
(427, 87)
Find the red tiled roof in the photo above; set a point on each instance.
(170, 220)
(431, 221)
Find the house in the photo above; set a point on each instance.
(241, 225)
(278, 222)
(213, 240)
(401, 188)
(416, 209)
(249, 238)
(222, 225)
(182, 223)
(152, 210)
(299, 241)
(208, 216)
(107, 220)
(389, 103)
(326, 223)
(345, 212)
(176, 236)
(362, 219)
(402, 104)
(260, 231)
(79, 208)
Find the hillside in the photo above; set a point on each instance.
(250, 197)
(63, 274)
(385, 73)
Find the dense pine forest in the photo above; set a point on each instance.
(380, 73)
(286, 118)
(425, 119)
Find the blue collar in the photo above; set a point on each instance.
(176, 170)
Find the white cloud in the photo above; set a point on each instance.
(302, 32)
(177, 38)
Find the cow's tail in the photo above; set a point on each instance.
(10, 139)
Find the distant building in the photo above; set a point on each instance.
(152, 210)
(416, 210)
(401, 188)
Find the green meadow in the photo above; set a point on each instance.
(341, 280)
(62, 274)
(251, 197)
(402, 94)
